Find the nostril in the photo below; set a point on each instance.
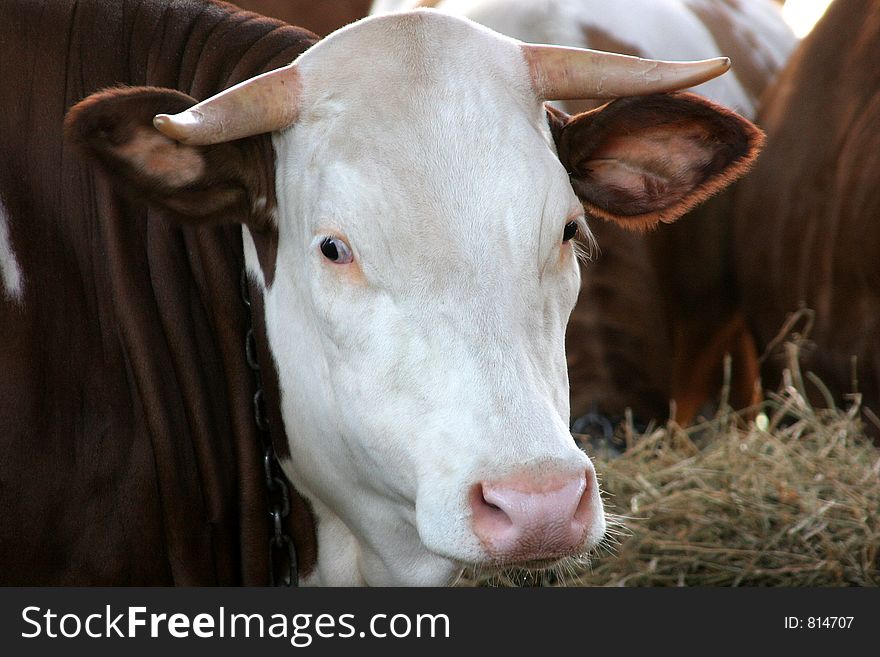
(584, 511)
(488, 515)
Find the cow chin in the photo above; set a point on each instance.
(387, 551)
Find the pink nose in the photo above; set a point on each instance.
(529, 518)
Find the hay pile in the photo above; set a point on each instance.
(789, 499)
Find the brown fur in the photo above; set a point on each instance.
(320, 16)
(130, 453)
(806, 222)
(698, 365)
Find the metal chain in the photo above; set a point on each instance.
(282, 551)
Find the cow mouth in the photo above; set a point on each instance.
(537, 565)
(533, 566)
(528, 572)
(535, 573)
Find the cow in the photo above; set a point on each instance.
(678, 281)
(807, 238)
(403, 206)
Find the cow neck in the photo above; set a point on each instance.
(293, 540)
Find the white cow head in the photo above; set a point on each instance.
(420, 273)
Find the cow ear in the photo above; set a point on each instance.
(228, 182)
(642, 160)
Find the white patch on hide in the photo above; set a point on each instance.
(10, 271)
(251, 260)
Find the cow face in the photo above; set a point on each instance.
(423, 286)
(419, 274)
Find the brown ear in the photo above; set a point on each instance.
(230, 182)
(642, 160)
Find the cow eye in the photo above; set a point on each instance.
(336, 250)
(571, 229)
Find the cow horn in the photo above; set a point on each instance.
(560, 73)
(265, 103)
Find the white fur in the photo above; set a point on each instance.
(251, 259)
(660, 29)
(10, 271)
(442, 365)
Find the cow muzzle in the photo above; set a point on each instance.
(529, 518)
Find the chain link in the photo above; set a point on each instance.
(282, 551)
(596, 420)
(250, 349)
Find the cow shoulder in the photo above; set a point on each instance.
(643, 160)
(227, 182)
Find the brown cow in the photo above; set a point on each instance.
(807, 231)
(124, 384)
